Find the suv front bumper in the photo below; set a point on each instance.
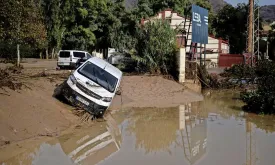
(92, 107)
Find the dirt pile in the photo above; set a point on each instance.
(10, 78)
(152, 91)
(33, 112)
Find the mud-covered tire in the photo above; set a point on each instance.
(59, 90)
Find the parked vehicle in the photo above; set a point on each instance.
(119, 58)
(123, 61)
(116, 58)
(93, 86)
(72, 58)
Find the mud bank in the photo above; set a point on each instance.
(152, 91)
(32, 112)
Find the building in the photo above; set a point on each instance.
(214, 48)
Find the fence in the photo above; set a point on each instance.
(227, 60)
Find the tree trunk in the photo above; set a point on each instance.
(53, 55)
(40, 55)
(18, 55)
(47, 54)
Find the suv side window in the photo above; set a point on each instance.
(79, 54)
(89, 56)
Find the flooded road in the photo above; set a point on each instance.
(210, 132)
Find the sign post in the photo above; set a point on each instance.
(200, 28)
(199, 25)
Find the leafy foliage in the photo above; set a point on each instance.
(21, 22)
(225, 26)
(262, 100)
(155, 48)
(271, 40)
(240, 71)
(80, 20)
(52, 11)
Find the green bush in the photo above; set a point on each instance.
(240, 71)
(262, 100)
(156, 48)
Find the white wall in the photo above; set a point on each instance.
(181, 64)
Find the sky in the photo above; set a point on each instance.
(262, 2)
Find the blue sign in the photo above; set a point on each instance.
(199, 25)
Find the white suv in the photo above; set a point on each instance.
(71, 58)
(93, 86)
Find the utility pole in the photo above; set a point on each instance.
(250, 27)
(256, 29)
(200, 55)
(253, 31)
(267, 50)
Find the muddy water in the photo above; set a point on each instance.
(214, 131)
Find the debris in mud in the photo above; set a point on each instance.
(83, 114)
(13, 77)
(51, 75)
(15, 69)
(49, 134)
(41, 74)
(79, 112)
(10, 78)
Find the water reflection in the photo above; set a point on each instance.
(157, 130)
(193, 132)
(94, 144)
(227, 104)
(81, 146)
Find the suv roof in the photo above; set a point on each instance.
(75, 51)
(107, 66)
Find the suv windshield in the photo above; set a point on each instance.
(63, 54)
(99, 76)
(79, 54)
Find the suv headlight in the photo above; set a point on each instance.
(73, 79)
(106, 99)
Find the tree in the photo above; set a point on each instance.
(271, 42)
(80, 21)
(109, 25)
(179, 6)
(156, 47)
(53, 17)
(262, 100)
(231, 23)
(21, 23)
(143, 9)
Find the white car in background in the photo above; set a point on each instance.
(72, 58)
(93, 86)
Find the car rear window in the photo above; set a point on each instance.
(79, 54)
(64, 54)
